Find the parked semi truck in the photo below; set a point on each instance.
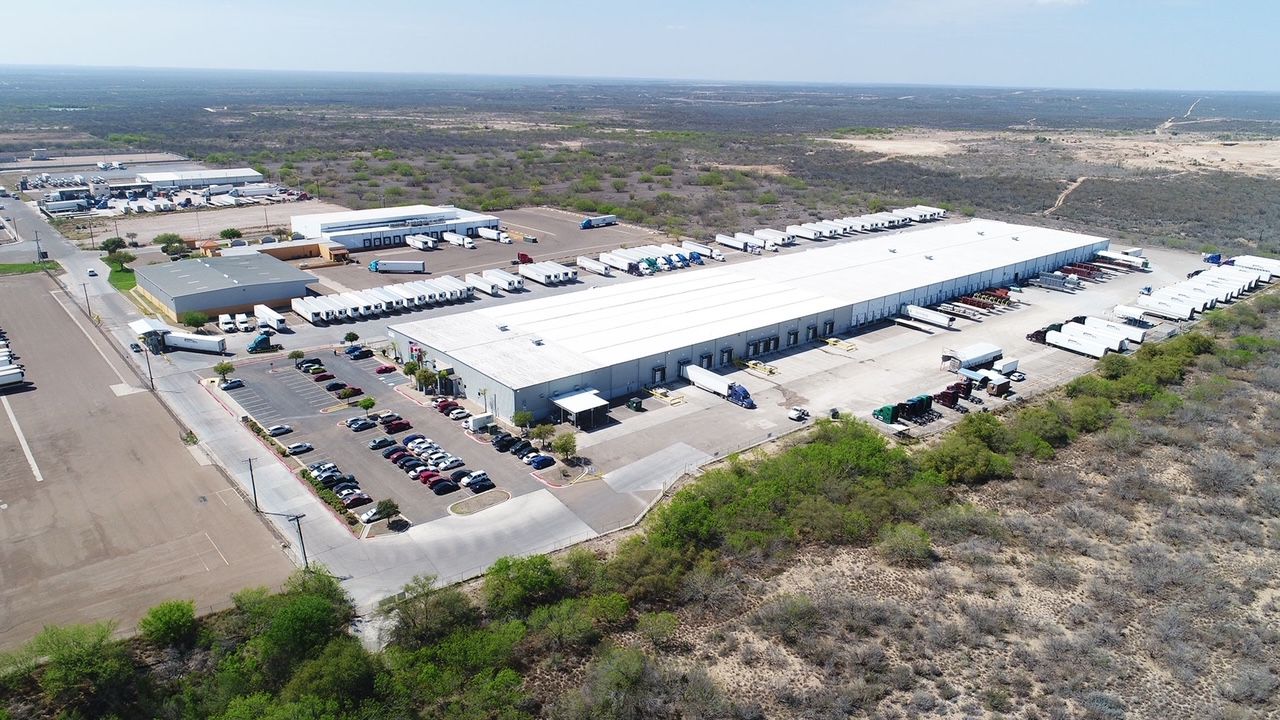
(594, 266)
(268, 318)
(397, 266)
(705, 251)
(623, 264)
(478, 282)
(770, 244)
(461, 241)
(245, 323)
(263, 344)
(717, 384)
(598, 221)
(422, 242)
(226, 323)
(200, 343)
(925, 315)
(12, 376)
(494, 234)
(504, 279)
(752, 247)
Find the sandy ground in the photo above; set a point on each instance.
(1186, 152)
(208, 222)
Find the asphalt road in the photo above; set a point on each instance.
(103, 510)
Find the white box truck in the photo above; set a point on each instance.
(494, 234)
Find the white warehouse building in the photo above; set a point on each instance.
(579, 350)
(186, 179)
(386, 227)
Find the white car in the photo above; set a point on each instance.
(798, 414)
(299, 448)
(278, 430)
(448, 464)
(93, 273)
(459, 414)
(528, 459)
(474, 477)
(369, 516)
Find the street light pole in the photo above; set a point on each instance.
(38, 258)
(252, 483)
(146, 354)
(85, 287)
(297, 521)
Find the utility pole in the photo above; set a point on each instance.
(297, 521)
(38, 258)
(146, 353)
(252, 482)
(85, 287)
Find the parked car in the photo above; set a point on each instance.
(314, 370)
(350, 391)
(93, 273)
(370, 516)
(448, 407)
(530, 457)
(387, 417)
(231, 384)
(316, 467)
(355, 501)
(278, 430)
(333, 481)
(520, 448)
(344, 489)
(425, 476)
(458, 475)
(352, 349)
(299, 447)
(445, 487)
(355, 420)
(404, 461)
(459, 414)
(135, 347)
(411, 438)
(384, 369)
(362, 354)
(363, 425)
(542, 461)
(471, 478)
(1017, 376)
(397, 426)
(322, 377)
(505, 444)
(382, 442)
(798, 414)
(480, 486)
(399, 453)
(308, 363)
(334, 386)
(449, 463)
(432, 482)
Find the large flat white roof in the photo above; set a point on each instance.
(189, 175)
(315, 224)
(526, 343)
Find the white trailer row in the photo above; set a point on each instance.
(1111, 340)
(752, 246)
(1075, 343)
(504, 280)
(703, 250)
(592, 265)
(548, 273)
(383, 300)
(1132, 333)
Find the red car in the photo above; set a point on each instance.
(426, 476)
(446, 407)
(442, 401)
(432, 482)
(351, 391)
(322, 377)
(384, 369)
(397, 426)
(397, 455)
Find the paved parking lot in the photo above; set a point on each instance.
(104, 511)
(276, 393)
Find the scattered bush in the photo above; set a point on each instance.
(170, 624)
(1217, 472)
(905, 544)
(513, 586)
(658, 628)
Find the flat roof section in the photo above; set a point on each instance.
(527, 343)
(314, 225)
(189, 175)
(197, 275)
(580, 402)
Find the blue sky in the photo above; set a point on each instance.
(1165, 44)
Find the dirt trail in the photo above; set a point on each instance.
(1062, 196)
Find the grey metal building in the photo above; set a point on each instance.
(611, 342)
(222, 284)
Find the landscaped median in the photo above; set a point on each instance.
(26, 268)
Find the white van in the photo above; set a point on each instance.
(225, 323)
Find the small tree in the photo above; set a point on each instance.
(565, 444)
(658, 627)
(522, 418)
(388, 508)
(162, 238)
(411, 368)
(112, 244)
(543, 432)
(905, 544)
(119, 258)
(366, 404)
(170, 624)
(441, 376)
(423, 377)
(194, 319)
(230, 234)
(223, 369)
(84, 666)
(350, 337)
(295, 356)
(133, 238)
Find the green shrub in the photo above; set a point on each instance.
(955, 523)
(905, 544)
(84, 667)
(513, 586)
(608, 609)
(658, 628)
(563, 625)
(170, 624)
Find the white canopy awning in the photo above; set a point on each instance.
(580, 402)
(148, 325)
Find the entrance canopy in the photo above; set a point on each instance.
(581, 405)
(149, 325)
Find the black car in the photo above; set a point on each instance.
(521, 448)
(504, 444)
(414, 464)
(335, 480)
(363, 425)
(445, 487)
(335, 386)
(402, 462)
(344, 486)
(481, 485)
(392, 451)
(457, 475)
(365, 353)
(382, 442)
(503, 435)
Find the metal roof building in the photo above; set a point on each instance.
(221, 284)
(622, 338)
(388, 227)
(200, 178)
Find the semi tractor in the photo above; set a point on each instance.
(494, 234)
(461, 241)
(718, 385)
(263, 344)
(397, 266)
(705, 251)
(226, 323)
(598, 221)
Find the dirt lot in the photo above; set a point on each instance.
(253, 221)
(110, 513)
(559, 238)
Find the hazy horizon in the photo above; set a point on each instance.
(1152, 45)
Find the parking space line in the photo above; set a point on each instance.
(22, 439)
(215, 548)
